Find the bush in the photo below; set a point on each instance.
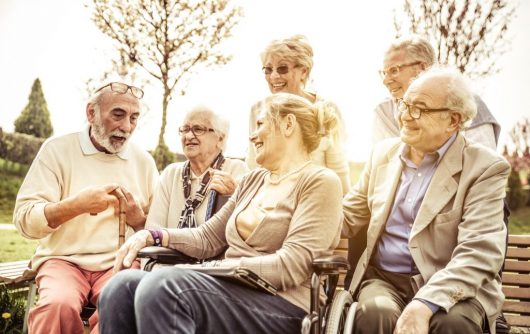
(516, 196)
(12, 310)
(19, 147)
(163, 156)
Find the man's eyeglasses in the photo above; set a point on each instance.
(122, 88)
(197, 130)
(415, 111)
(394, 70)
(282, 69)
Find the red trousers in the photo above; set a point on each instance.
(64, 289)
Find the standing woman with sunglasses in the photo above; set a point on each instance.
(287, 65)
(185, 189)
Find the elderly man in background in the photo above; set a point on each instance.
(185, 189)
(65, 203)
(433, 204)
(404, 60)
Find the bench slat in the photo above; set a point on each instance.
(516, 279)
(518, 320)
(516, 266)
(519, 240)
(516, 293)
(516, 307)
(518, 253)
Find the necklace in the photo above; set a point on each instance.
(279, 179)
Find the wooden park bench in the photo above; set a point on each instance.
(20, 280)
(515, 280)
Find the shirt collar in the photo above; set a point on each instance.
(88, 147)
(435, 157)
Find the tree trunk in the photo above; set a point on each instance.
(165, 102)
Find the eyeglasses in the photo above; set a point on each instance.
(415, 111)
(394, 70)
(282, 69)
(122, 88)
(197, 130)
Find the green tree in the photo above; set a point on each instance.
(35, 118)
(168, 40)
(470, 34)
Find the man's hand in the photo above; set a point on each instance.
(135, 215)
(89, 200)
(414, 319)
(222, 182)
(128, 251)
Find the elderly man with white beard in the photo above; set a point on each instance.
(66, 203)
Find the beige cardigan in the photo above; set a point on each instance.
(305, 224)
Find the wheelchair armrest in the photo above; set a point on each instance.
(165, 255)
(331, 263)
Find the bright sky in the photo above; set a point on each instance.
(56, 41)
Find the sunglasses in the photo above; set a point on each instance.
(122, 88)
(282, 69)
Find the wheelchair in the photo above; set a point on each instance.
(327, 318)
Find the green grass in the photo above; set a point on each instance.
(520, 221)
(14, 247)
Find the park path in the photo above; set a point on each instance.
(7, 227)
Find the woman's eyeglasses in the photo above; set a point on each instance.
(197, 130)
(122, 88)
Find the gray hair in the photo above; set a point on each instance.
(95, 100)
(295, 49)
(459, 96)
(417, 48)
(217, 122)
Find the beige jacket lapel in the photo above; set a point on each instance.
(442, 188)
(386, 183)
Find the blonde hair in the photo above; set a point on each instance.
(315, 120)
(295, 49)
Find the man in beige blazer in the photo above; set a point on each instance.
(433, 203)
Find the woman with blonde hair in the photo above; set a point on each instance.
(287, 65)
(278, 220)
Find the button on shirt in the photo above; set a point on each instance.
(393, 252)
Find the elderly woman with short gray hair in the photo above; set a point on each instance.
(183, 191)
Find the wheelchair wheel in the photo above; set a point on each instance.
(338, 312)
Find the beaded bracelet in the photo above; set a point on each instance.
(157, 237)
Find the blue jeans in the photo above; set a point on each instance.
(175, 300)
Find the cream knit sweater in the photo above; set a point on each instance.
(64, 166)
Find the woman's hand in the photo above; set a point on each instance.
(128, 251)
(222, 182)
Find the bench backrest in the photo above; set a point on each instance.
(516, 281)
